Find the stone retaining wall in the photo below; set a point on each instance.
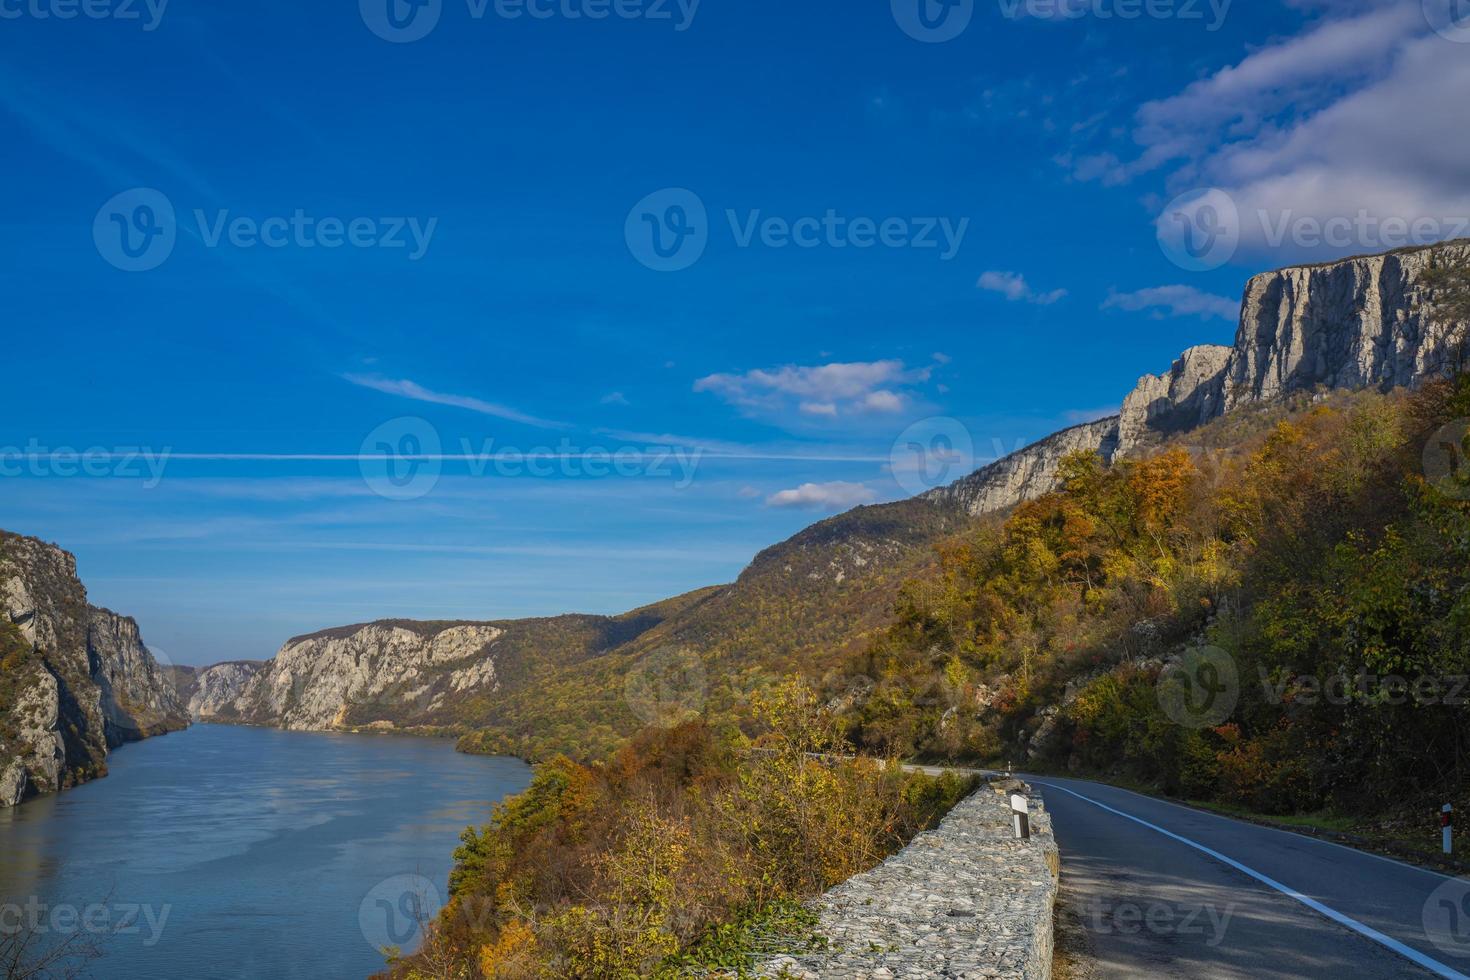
(965, 900)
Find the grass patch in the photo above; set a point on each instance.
(732, 949)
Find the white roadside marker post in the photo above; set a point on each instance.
(1021, 814)
(1447, 823)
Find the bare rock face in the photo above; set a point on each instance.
(137, 698)
(13, 783)
(380, 674)
(1360, 323)
(40, 753)
(58, 729)
(212, 689)
(83, 681)
(1030, 472)
(1186, 397)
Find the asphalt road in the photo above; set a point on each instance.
(1167, 891)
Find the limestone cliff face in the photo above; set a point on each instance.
(1188, 396)
(81, 680)
(1029, 472)
(136, 697)
(377, 675)
(210, 690)
(1360, 323)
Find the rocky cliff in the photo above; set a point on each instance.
(1361, 323)
(1029, 472)
(77, 680)
(1364, 322)
(207, 690)
(400, 673)
(378, 674)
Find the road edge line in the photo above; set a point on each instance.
(1191, 808)
(1368, 932)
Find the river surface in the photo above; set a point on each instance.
(246, 852)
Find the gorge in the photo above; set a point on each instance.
(1361, 323)
(79, 681)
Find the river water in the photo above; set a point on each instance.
(223, 852)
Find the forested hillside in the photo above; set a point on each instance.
(801, 606)
(1270, 609)
(1276, 616)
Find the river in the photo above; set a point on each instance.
(223, 852)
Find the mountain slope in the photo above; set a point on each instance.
(1366, 322)
(799, 605)
(407, 674)
(526, 680)
(75, 680)
(569, 683)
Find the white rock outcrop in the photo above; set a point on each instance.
(13, 782)
(89, 685)
(1361, 323)
(364, 675)
(137, 697)
(1184, 398)
(1364, 322)
(1030, 472)
(213, 688)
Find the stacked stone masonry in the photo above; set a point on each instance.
(965, 900)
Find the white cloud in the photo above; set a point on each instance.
(415, 391)
(1175, 301)
(615, 398)
(1014, 287)
(883, 401)
(823, 496)
(1357, 119)
(826, 391)
(1278, 75)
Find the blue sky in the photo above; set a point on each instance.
(494, 176)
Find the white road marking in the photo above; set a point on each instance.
(1433, 965)
(1276, 830)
